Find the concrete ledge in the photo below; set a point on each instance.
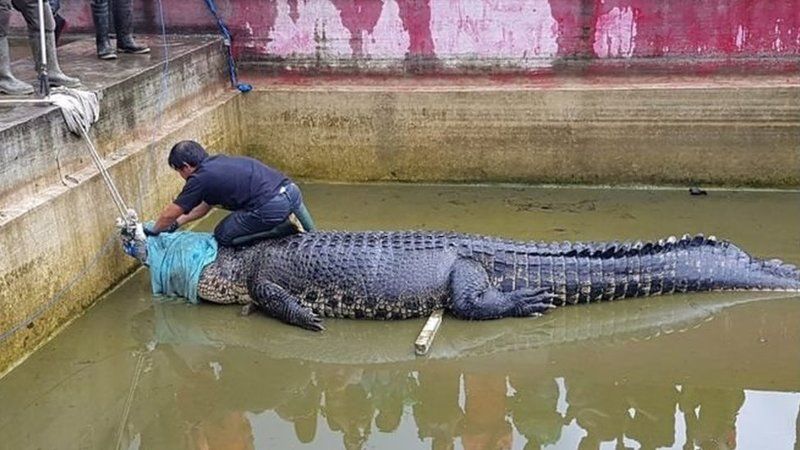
(58, 243)
(58, 258)
(607, 130)
(139, 95)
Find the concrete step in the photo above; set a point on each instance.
(139, 93)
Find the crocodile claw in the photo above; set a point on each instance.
(313, 322)
(247, 309)
(533, 302)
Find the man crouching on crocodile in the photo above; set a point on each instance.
(261, 198)
(303, 277)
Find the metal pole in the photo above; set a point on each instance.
(25, 101)
(44, 82)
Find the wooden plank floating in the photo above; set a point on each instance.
(425, 338)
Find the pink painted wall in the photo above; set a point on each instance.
(496, 33)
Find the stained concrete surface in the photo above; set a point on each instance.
(618, 130)
(704, 370)
(57, 239)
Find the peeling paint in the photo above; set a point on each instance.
(309, 33)
(252, 23)
(778, 44)
(521, 29)
(389, 38)
(484, 33)
(359, 17)
(741, 36)
(416, 17)
(615, 33)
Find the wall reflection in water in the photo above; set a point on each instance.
(489, 408)
(527, 399)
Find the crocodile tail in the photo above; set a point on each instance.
(586, 272)
(711, 264)
(696, 263)
(772, 274)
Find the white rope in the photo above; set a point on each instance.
(126, 410)
(112, 188)
(80, 110)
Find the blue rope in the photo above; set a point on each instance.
(243, 87)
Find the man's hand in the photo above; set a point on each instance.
(171, 228)
(167, 220)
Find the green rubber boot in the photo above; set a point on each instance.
(55, 76)
(9, 84)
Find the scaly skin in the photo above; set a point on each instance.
(397, 275)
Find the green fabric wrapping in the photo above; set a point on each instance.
(176, 261)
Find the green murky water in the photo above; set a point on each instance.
(701, 371)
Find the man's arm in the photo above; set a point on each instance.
(199, 211)
(168, 216)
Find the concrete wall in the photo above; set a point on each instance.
(491, 35)
(58, 259)
(59, 249)
(565, 132)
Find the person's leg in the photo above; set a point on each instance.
(5, 17)
(9, 84)
(283, 229)
(235, 225)
(30, 11)
(101, 28)
(242, 227)
(268, 221)
(61, 24)
(123, 25)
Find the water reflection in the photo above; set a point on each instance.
(534, 402)
(705, 371)
(448, 407)
(212, 380)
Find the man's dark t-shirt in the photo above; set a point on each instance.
(233, 182)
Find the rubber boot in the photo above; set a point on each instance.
(123, 25)
(61, 25)
(55, 76)
(8, 83)
(101, 26)
(304, 217)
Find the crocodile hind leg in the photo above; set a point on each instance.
(277, 303)
(475, 298)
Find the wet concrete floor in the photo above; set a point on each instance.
(705, 370)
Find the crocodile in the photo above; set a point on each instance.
(304, 277)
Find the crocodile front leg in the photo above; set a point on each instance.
(476, 299)
(277, 303)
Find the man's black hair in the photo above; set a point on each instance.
(186, 152)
